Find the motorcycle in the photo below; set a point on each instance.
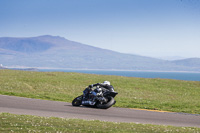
(99, 97)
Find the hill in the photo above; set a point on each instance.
(191, 62)
(58, 52)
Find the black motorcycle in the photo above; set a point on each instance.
(99, 97)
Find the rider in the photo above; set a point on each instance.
(105, 86)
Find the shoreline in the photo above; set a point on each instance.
(85, 69)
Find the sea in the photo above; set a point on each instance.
(189, 76)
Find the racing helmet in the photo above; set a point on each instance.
(106, 82)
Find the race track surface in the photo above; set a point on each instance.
(28, 106)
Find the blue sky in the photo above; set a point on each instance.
(154, 28)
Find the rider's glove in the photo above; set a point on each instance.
(91, 86)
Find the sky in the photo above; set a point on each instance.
(155, 28)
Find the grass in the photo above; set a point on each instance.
(144, 93)
(27, 123)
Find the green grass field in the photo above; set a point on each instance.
(27, 123)
(144, 93)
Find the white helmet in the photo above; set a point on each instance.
(106, 82)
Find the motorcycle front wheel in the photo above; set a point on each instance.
(107, 105)
(77, 101)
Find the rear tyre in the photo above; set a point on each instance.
(107, 105)
(77, 101)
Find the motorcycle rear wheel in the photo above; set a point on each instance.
(77, 101)
(107, 105)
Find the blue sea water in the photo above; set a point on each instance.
(142, 74)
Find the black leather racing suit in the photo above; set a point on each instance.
(104, 87)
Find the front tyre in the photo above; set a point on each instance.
(107, 105)
(77, 101)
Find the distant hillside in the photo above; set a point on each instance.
(191, 62)
(58, 52)
(171, 58)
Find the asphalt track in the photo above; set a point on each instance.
(28, 106)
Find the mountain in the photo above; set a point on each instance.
(191, 62)
(58, 52)
(171, 58)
